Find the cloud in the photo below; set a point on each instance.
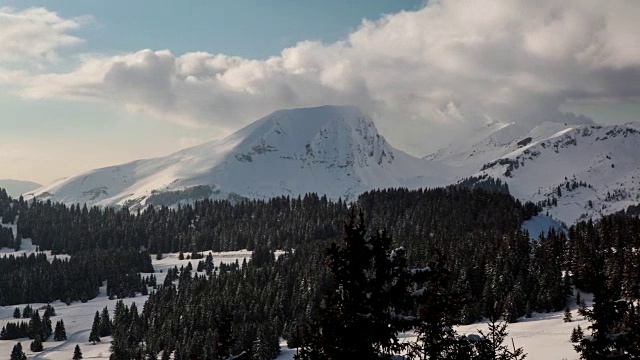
(426, 75)
(35, 35)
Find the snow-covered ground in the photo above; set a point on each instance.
(543, 337)
(26, 246)
(78, 317)
(540, 224)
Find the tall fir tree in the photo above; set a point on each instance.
(364, 306)
(46, 326)
(60, 333)
(27, 312)
(437, 311)
(610, 337)
(567, 315)
(105, 323)
(94, 335)
(35, 325)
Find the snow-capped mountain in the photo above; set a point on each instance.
(332, 150)
(493, 141)
(15, 188)
(574, 171)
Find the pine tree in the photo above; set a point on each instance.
(77, 354)
(582, 305)
(363, 308)
(567, 314)
(266, 346)
(16, 313)
(18, 244)
(36, 344)
(35, 325)
(576, 334)
(94, 336)
(492, 346)
(50, 310)
(46, 326)
(105, 323)
(17, 353)
(27, 312)
(60, 333)
(609, 337)
(437, 311)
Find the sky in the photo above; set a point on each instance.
(86, 84)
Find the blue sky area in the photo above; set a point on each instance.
(253, 29)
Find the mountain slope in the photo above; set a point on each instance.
(15, 188)
(494, 141)
(573, 171)
(578, 172)
(332, 150)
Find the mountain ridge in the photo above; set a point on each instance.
(333, 150)
(15, 188)
(337, 151)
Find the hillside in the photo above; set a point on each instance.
(332, 150)
(574, 171)
(15, 188)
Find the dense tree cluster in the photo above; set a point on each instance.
(34, 278)
(374, 295)
(633, 210)
(484, 182)
(37, 328)
(6, 238)
(206, 225)
(485, 266)
(239, 309)
(280, 222)
(604, 260)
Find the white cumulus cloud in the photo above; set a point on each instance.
(35, 34)
(425, 75)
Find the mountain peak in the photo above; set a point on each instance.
(332, 150)
(336, 136)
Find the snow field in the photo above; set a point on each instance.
(78, 317)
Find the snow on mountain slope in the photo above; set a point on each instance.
(540, 224)
(494, 141)
(337, 151)
(576, 173)
(332, 150)
(15, 188)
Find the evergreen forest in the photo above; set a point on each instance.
(353, 275)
